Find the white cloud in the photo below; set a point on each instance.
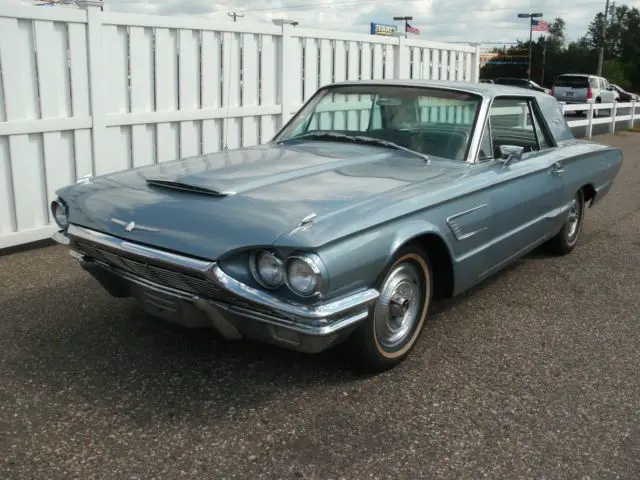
(451, 20)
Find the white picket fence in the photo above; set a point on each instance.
(612, 116)
(90, 92)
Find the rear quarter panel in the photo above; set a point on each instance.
(589, 163)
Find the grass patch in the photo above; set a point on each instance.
(627, 131)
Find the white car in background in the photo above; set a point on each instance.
(573, 88)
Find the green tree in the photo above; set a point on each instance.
(556, 37)
(621, 53)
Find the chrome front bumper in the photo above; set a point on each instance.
(197, 293)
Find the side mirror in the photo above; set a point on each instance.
(509, 153)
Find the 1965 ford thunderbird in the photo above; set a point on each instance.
(375, 199)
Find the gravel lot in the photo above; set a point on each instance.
(534, 374)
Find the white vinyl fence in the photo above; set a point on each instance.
(90, 92)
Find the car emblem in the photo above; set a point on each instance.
(130, 226)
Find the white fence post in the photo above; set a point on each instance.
(633, 114)
(590, 118)
(613, 112)
(403, 59)
(523, 116)
(475, 69)
(285, 77)
(96, 91)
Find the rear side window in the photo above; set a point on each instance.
(572, 81)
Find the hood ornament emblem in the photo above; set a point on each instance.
(306, 220)
(130, 226)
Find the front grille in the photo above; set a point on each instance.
(179, 281)
(153, 273)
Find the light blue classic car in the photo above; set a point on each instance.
(375, 199)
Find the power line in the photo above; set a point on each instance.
(320, 4)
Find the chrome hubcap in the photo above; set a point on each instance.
(574, 218)
(400, 304)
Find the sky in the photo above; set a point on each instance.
(438, 20)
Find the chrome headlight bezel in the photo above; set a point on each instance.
(255, 270)
(316, 268)
(60, 213)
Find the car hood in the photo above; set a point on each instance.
(209, 205)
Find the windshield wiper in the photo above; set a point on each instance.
(361, 139)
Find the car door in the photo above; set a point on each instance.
(526, 193)
(606, 93)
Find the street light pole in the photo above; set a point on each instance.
(530, 16)
(406, 23)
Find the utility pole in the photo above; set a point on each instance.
(602, 39)
(234, 15)
(544, 59)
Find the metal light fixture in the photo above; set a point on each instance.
(406, 23)
(530, 16)
(283, 21)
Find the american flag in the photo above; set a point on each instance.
(413, 29)
(539, 25)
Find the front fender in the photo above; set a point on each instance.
(356, 262)
(414, 229)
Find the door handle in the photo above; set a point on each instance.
(557, 169)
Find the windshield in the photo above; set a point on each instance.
(429, 121)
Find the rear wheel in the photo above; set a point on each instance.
(567, 238)
(390, 332)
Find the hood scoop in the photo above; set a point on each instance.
(186, 187)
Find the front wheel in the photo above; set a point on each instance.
(567, 238)
(388, 335)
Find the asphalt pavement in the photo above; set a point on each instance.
(533, 374)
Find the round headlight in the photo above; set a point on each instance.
(267, 270)
(60, 214)
(303, 276)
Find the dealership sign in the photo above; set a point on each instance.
(386, 30)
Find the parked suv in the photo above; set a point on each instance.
(583, 88)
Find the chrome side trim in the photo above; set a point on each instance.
(213, 272)
(455, 228)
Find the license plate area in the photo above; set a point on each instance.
(569, 94)
(160, 305)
